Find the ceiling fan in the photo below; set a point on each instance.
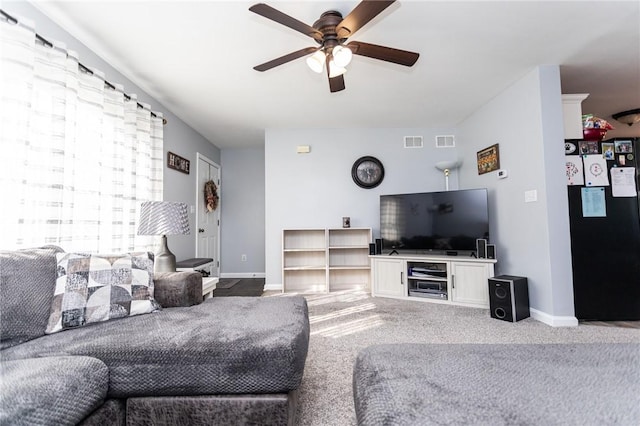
(331, 32)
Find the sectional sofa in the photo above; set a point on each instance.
(232, 360)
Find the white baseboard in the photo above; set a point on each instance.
(553, 321)
(276, 287)
(242, 275)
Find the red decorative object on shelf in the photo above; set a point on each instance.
(594, 134)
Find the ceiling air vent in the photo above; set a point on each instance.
(445, 141)
(413, 142)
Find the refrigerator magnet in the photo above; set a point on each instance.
(622, 160)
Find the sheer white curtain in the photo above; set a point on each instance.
(78, 157)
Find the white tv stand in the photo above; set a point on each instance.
(441, 279)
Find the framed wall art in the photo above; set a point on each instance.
(178, 163)
(488, 159)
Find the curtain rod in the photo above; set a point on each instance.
(82, 67)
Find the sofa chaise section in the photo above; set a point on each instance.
(231, 345)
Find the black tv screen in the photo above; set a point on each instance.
(434, 221)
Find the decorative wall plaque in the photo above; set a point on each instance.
(488, 159)
(177, 163)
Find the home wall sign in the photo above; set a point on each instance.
(178, 163)
(488, 159)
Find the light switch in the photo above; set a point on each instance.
(530, 196)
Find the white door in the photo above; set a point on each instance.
(208, 221)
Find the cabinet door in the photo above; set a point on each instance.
(470, 283)
(388, 277)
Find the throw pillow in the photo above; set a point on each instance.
(92, 288)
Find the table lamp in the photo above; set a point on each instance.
(164, 218)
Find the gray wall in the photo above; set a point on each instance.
(532, 238)
(315, 190)
(178, 137)
(242, 202)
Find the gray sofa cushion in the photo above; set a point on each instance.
(51, 391)
(27, 281)
(224, 345)
(525, 384)
(173, 289)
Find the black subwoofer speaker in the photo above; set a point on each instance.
(509, 298)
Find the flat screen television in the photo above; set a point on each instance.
(428, 222)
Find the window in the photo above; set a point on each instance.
(79, 155)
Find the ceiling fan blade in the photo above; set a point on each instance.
(336, 83)
(383, 53)
(364, 12)
(286, 20)
(286, 58)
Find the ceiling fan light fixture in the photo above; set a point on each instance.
(628, 117)
(316, 61)
(335, 70)
(342, 55)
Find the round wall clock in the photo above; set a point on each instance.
(367, 172)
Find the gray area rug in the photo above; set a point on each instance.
(343, 323)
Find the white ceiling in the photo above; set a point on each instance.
(196, 59)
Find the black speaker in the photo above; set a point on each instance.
(509, 298)
(378, 246)
(491, 251)
(481, 248)
(372, 249)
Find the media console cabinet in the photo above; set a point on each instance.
(440, 279)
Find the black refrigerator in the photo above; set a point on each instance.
(604, 210)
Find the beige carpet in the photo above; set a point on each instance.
(343, 323)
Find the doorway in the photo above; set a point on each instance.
(208, 218)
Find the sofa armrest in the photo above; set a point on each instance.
(173, 289)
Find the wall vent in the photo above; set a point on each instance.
(445, 141)
(413, 142)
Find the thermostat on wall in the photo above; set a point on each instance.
(502, 173)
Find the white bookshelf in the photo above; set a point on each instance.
(323, 260)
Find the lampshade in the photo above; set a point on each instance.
(163, 218)
(628, 117)
(316, 61)
(335, 70)
(341, 56)
(445, 166)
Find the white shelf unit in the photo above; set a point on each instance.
(348, 260)
(304, 260)
(439, 279)
(322, 260)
